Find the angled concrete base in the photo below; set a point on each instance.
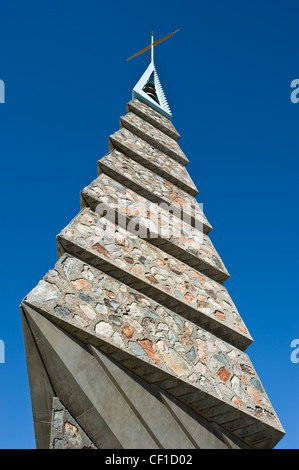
(107, 406)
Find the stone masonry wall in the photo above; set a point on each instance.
(65, 431)
(160, 163)
(153, 117)
(188, 289)
(153, 136)
(85, 297)
(106, 192)
(152, 186)
(140, 287)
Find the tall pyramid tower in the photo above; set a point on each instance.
(132, 340)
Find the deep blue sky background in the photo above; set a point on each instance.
(227, 77)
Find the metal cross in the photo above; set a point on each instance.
(151, 46)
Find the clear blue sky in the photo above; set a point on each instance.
(227, 77)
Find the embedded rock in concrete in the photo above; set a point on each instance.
(156, 224)
(170, 281)
(151, 186)
(131, 340)
(65, 431)
(121, 322)
(153, 117)
(153, 159)
(153, 136)
(105, 399)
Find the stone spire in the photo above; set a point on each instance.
(132, 339)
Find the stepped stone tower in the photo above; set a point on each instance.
(132, 341)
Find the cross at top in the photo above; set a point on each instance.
(151, 46)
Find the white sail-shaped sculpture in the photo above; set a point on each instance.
(151, 75)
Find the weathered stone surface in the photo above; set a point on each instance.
(165, 230)
(126, 255)
(153, 136)
(119, 307)
(156, 160)
(107, 400)
(65, 431)
(153, 117)
(157, 336)
(152, 186)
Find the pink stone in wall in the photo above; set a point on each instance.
(176, 363)
(147, 345)
(202, 353)
(256, 395)
(219, 315)
(80, 284)
(100, 249)
(223, 374)
(189, 298)
(237, 401)
(128, 331)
